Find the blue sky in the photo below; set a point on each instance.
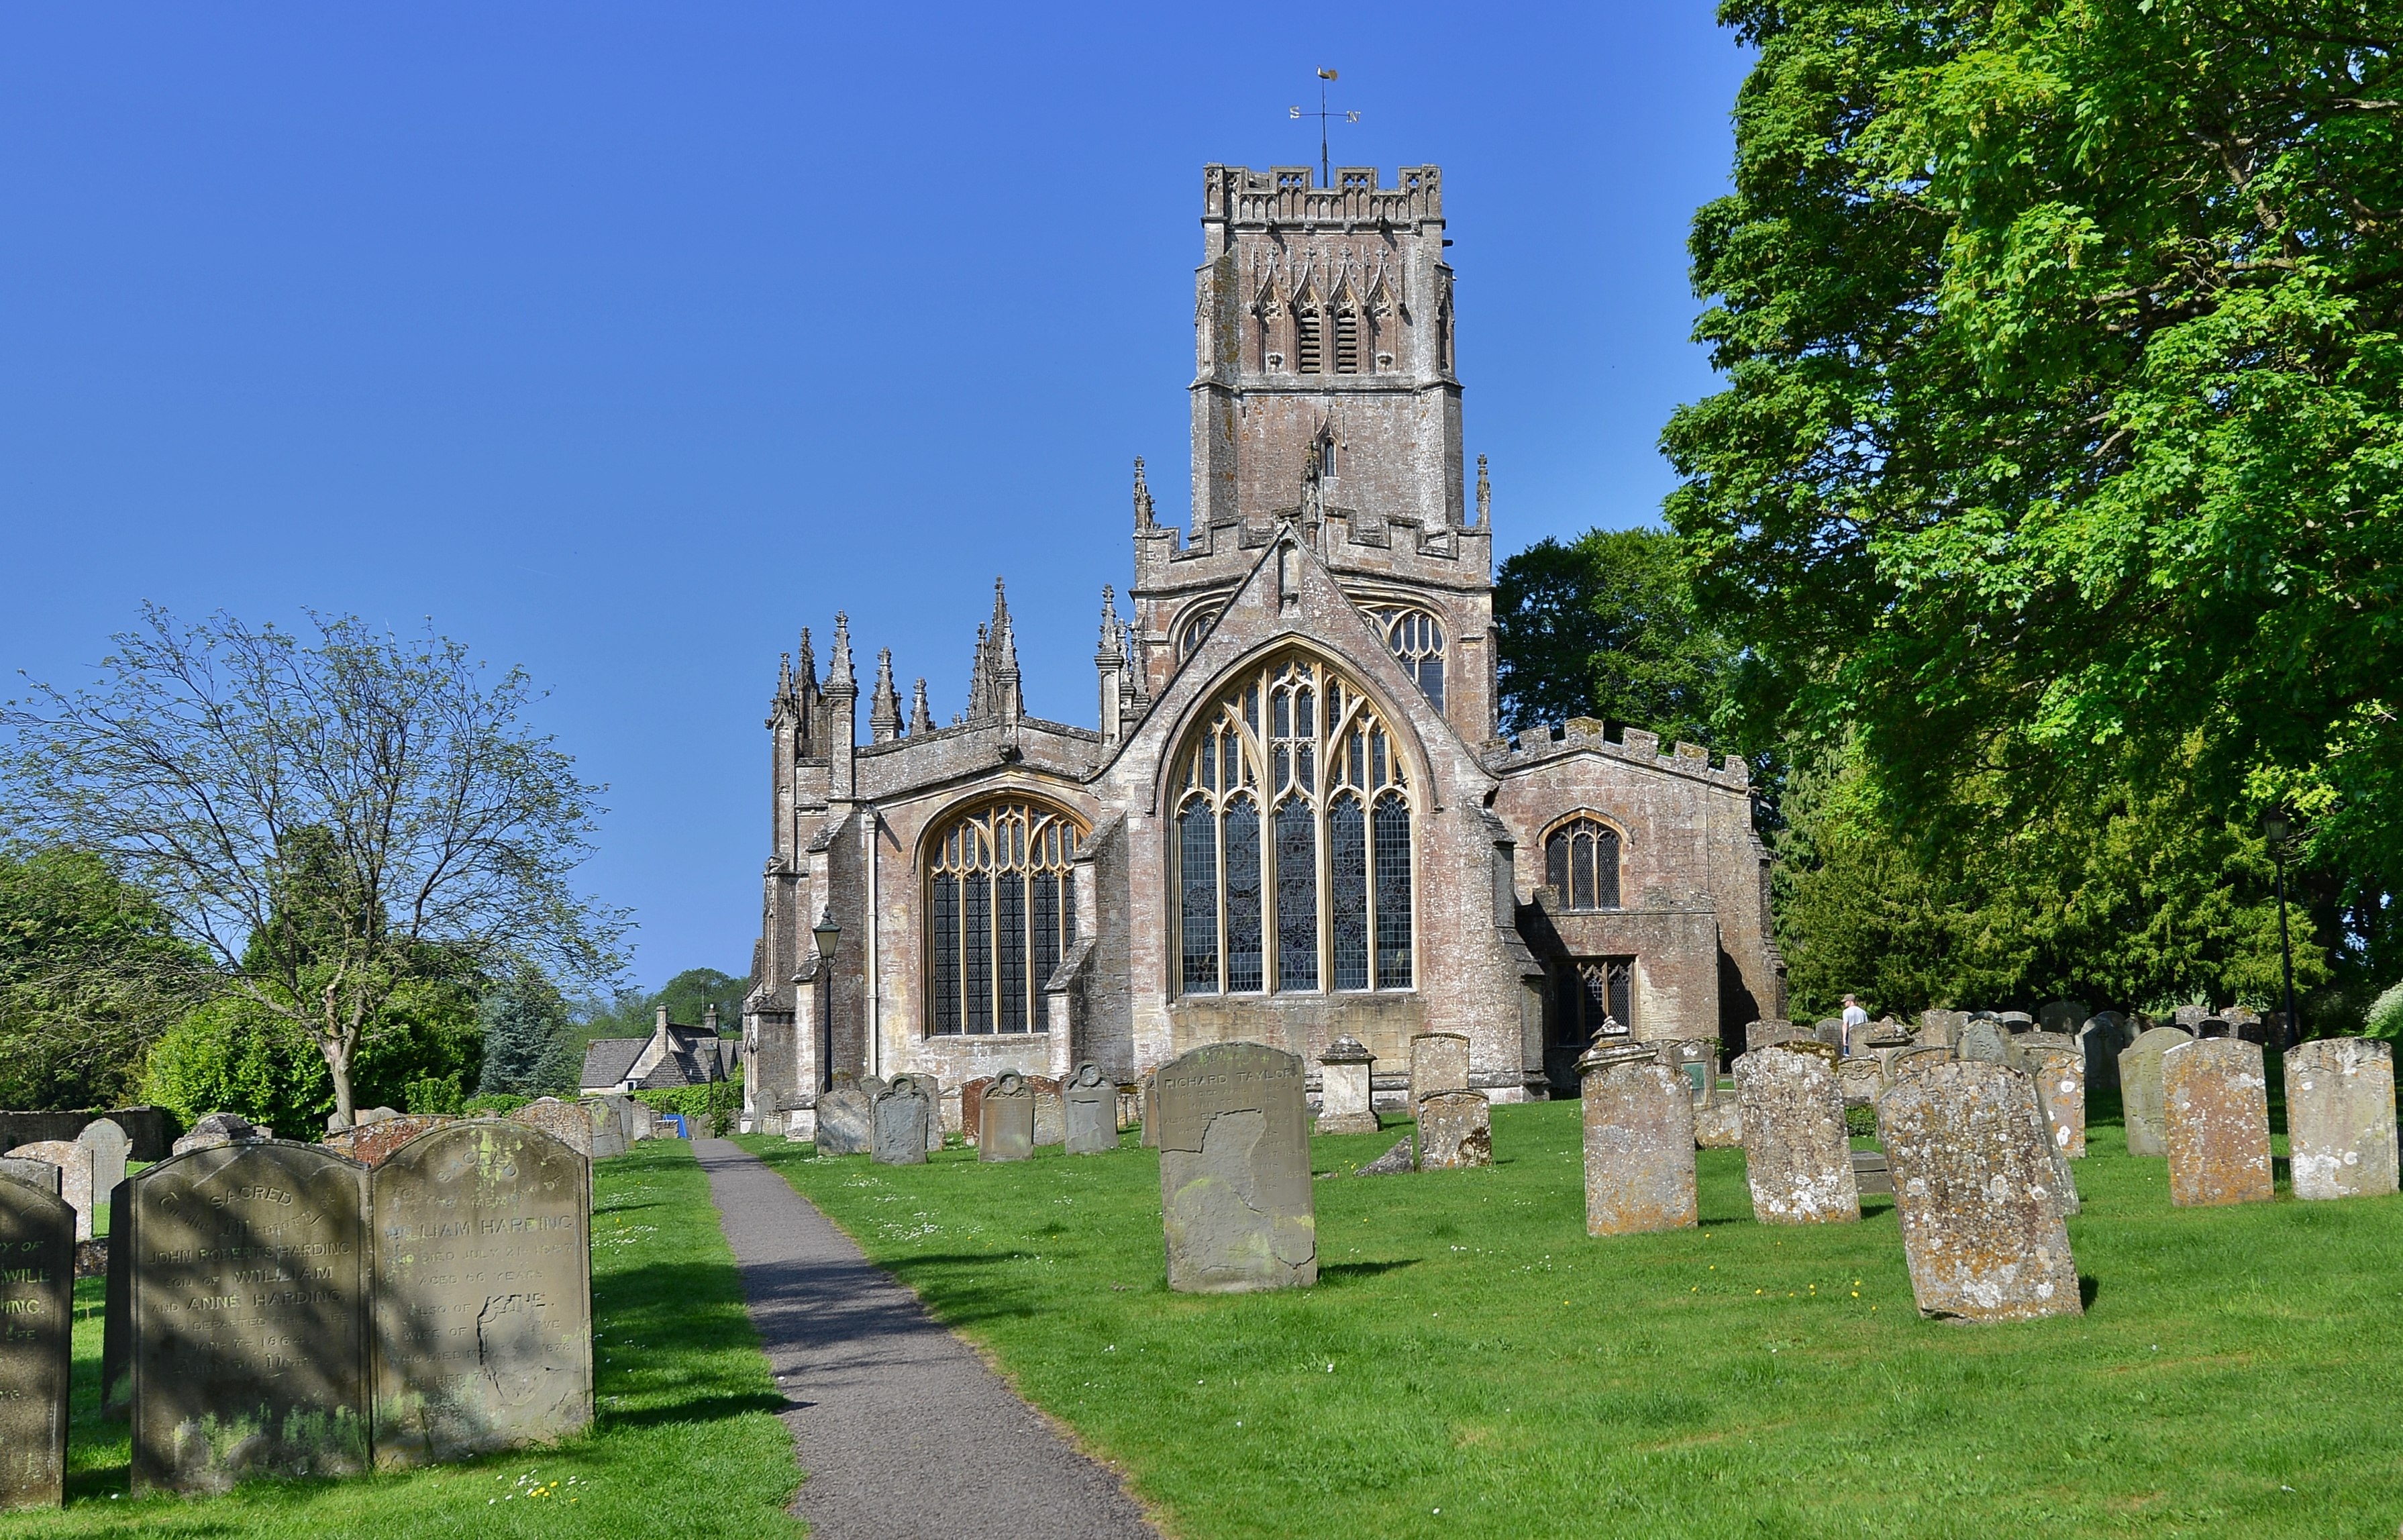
(624, 342)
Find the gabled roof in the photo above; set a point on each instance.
(606, 1060)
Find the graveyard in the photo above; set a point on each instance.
(1471, 1361)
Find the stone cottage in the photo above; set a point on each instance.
(1291, 819)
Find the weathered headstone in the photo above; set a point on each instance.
(216, 1130)
(2191, 1016)
(608, 1127)
(2062, 1016)
(1438, 1061)
(1981, 1041)
(1234, 1171)
(1697, 1060)
(1719, 1126)
(1972, 1179)
(371, 1143)
(1093, 1109)
(1344, 1104)
(1008, 1112)
(250, 1316)
(1455, 1130)
(2103, 1038)
(1830, 1031)
(1398, 1161)
(2060, 1077)
(1797, 1156)
(1942, 1028)
(74, 1161)
(37, 1173)
(37, 1253)
(2216, 1107)
(1910, 1061)
(109, 1145)
(1859, 1079)
(1151, 1113)
(1759, 1034)
(1870, 1175)
(2341, 1118)
(1639, 1144)
(846, 1120)
(901, 1114)
(1050, 1111)
(972, 1107)
(564, 1121)
(2140, 1087)
(483, 1292)
(931, 1086)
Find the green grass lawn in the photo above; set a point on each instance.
(1472, 1363)
(687, 1442)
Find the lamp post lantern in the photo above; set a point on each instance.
(2279, 828)
(826, 933)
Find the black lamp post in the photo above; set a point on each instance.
(2278, 827)
(827, 932)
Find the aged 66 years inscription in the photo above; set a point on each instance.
(483, 1305)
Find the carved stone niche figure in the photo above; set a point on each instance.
(1639, 1143)
(1235, 1194)
(1092, 1103)
(1798, 1159)
(2341, 1118)
(1343, 1101)
(1007, 1110)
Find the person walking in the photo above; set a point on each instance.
(1855, 1019)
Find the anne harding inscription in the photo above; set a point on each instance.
(37, 1241)
(249, 1306)
(484, 1292)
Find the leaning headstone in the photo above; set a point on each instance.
(1093, 1111)
(900, 1118)
(2341, 1118)
(1981, 1041)
(35, 1174)
(2215, 1106)
(1396, 1162)
(1455, 1130)
(1151, 1113)
(1438, 1061)
(564, 1121)
(846, 1120)
(2060, 1077)
(74, 1161)
(1008, 1112)
(1797, 1156)
(1719, 1126)
(1050, 1111)
(1234, 1171)
(109, 1145)
(37, 1255)
(2139, 1089)
(1639, 1144)
(1344, 1105)
(483, 1292)
(1972, 1181)
(249, 1305)
(216, 1130)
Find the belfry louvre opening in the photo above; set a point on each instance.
(1001, 911)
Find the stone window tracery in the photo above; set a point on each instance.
(1581, 863)
(1195, 631)
(1293, 843)
(1001, 911)
(1416, 639)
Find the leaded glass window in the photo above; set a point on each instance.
(1293, 840)
(1001, 913)
(1581, 863)
(1416, 640)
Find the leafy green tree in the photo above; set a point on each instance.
(1604, 627)
(2063, 437)
(90, 974)
(530, 1045)
(321, 815)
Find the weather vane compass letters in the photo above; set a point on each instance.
(1324, 177)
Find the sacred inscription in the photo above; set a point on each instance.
(37, 1242)
(483, 1305)
(250, 1319)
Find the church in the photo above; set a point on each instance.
(1290, 819)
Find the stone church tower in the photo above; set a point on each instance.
(1293, 820)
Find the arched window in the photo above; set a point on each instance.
(1416, 638)
(1293, 840)
(1194, 632)
(1001, 911)
(1581, 863)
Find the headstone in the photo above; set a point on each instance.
(1719, 1126)
(1050, 1111)
(1870, 1174)
(1907, 1061)
(1972, 1182)
(1697, 1060)
(972, 1107)
(2103, 1038)
(2016, 1021)
(117, 1307)
(2189, 1016)
(1888, 1033)
(1981, 1041)
(1008, 1112)
(1639, 1144)
(2020, 1048)
(37, 1173)
(1859, 1079)
(1810, 1045)
(608, 1128)
(37, 1255)
(901, 1114)
(564, 1121)
(249, 1306)
(2063, 1015)
(1093, 1109)
(2140, 1087)
(74, 1161)
(1344, 1105)
(1797, 1156)
(1234, 1171)
(931, 1086)
(1455, 1130)
(1396, 1162)
(1830, 1031)
(846, 1120)
(2215, 1108)
(1151, 1113)
(483, 1292)
(109, 1145)
(2060, 1077)
(1438, 1061)
(216, 1130)
(1759, 1034)
(371, 1143)
(2213, 1026)
(645, 1120)
(2341, 1118)
(1942, 1028)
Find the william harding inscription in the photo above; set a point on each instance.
(484, 1301)
(38, 1231)
(250, 1320)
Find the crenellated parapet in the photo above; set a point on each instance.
(1536, 746)
(1287, 195)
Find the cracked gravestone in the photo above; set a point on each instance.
(2341, 1118)
(2215, 1111)
(1639, 1144)
(1234, 1171)
(900, 1116)
(1455, 1130)
(1438, 1061)
(1972, 1178)
(1092, 1112)
(846, 1120)
(1797, 1156)
(2139, 1089)
(1344, 1102)
(250, 1316)
(37, 1252)
(483, 1292)
(1007, 1110)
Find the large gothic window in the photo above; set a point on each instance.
(1415, 638)
(1293, 840)
(1581, 863)
(1001, 911)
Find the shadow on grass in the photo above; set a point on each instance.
(1340, 1272)
(2089, 1289)
(707, 1408)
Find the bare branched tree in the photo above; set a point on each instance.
(318, 813)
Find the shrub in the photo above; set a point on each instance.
(497, 1104)
(432, 1094)
(1860, 1122)
(2386, 1017)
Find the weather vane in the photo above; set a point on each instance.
(1325, 177)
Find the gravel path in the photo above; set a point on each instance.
(904, 1431)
